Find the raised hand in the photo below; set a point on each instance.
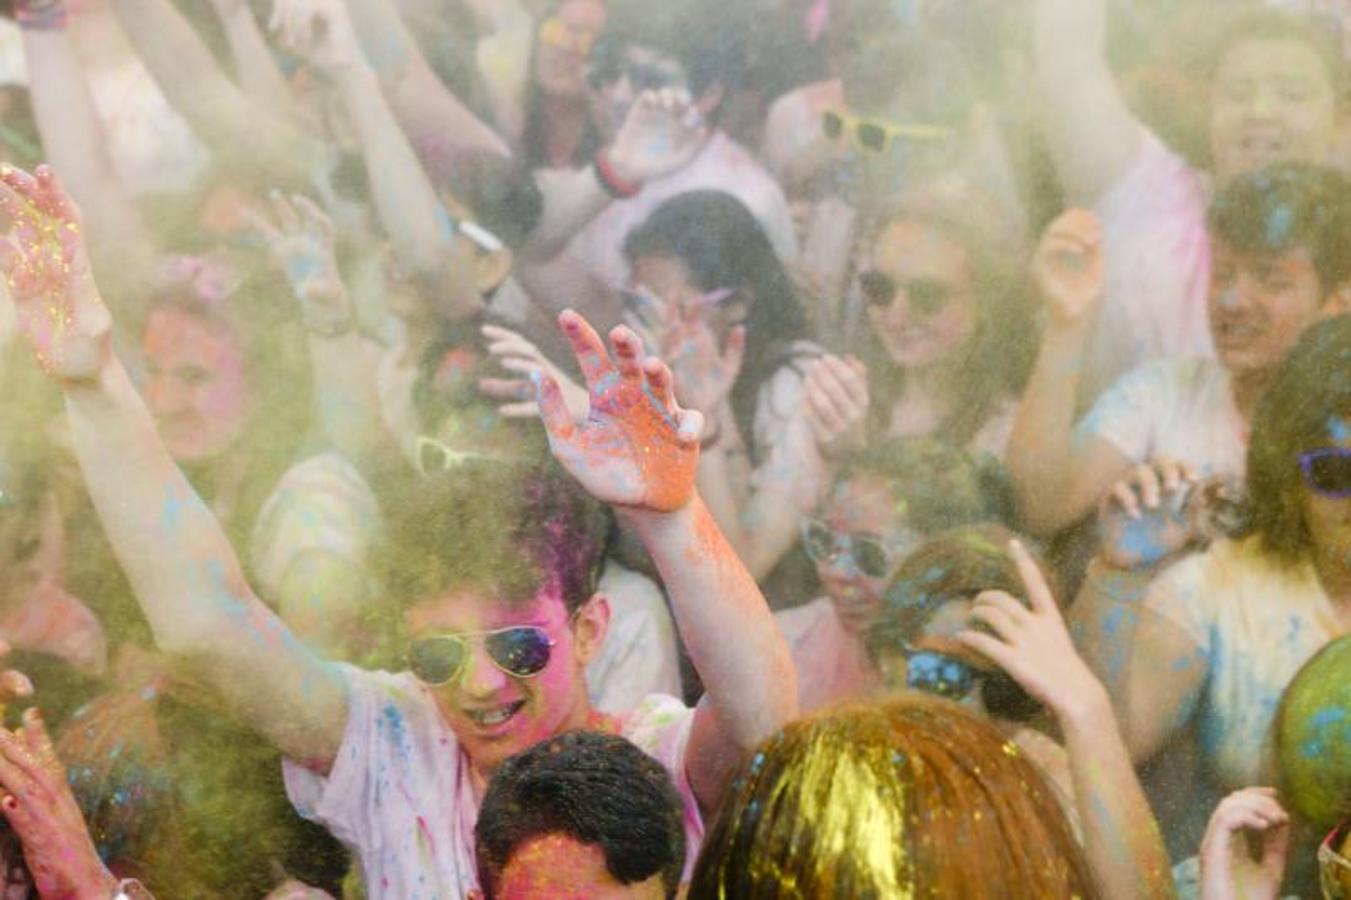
(636, 448)
(837, 403)
(46, 266)
(1141, 519)
(1031, 643)
(516, 354)
(39, 806)
(1068, 267)
(661, 134)
(319, 31)
(704, 368)
(1229, 870)
(301, 238)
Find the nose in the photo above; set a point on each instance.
(166, 394)
(1261, 104)
(1237, 294)
(482, 678)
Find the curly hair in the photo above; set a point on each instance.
(596, 788)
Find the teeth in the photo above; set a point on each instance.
(492, 717)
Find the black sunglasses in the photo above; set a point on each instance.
(608, 65)
(1328, 471)
(522, 652)
(927, 296)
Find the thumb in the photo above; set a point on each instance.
(553, 409)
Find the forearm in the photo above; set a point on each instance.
(178, 560)
(724, 622)
(1092, 134)
(503, 55)
(76, 147)
(1121, 838)
(240, 133)
(404, 196)
(572, 198)
(1040, 457)
(255, 67)
(421, 103)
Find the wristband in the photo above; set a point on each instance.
(613, 185)
(41, 15)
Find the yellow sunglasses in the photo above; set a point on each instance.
(877, 135)
(554, 32)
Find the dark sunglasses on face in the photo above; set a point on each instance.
(824, 544)
(927, 296)
(938, 673)
(608, 65)
(1327, 471)
(522, 652)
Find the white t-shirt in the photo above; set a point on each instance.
(1179, 408)
(723, 165)
(639, 655)
(1253, 624)
(1158, 269)
(400, 796)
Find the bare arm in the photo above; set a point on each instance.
(185, 574)
(1093, 135)
(422, 104)
(256, 69)
(242, 135)
(1056, 481)
(638, 450)
(1031, 643)
(76, 145)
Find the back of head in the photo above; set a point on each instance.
(707, 37)
(593, 788)
(954, 566)
(913, 797)
(1313, 737)
(1286, 206)
(936, 485)
(1305, 407)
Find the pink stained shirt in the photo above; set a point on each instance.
(400, 796)
(832, 665)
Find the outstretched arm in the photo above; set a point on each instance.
(77, 148)
(638, 450)
(185, 574)
(256, 69)
(1057, 480)
(1031, 643)
(1093, 135)
(242, 135)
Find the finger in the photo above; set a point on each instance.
(1124, 495)
(998, 619)
(526, 367)
(314, 214)
(734, 354)
(14, 684)
(661, 383)
(689, 426)
(1147, 481)
(34, 733)
(553, 411)
(587, 347)
(1169, 474)
(628, 351)
(15, 754)
(519, 389)
(993, 649)
(850, 379)
(524, 410)
(1038, 591)
(260, 223)
(19, 181)
(824, 408)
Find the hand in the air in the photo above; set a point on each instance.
(1068, 267)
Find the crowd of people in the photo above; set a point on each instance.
(639, 449)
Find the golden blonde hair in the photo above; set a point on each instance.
(912, 797)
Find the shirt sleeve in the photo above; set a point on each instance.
(1127, 414)
(348, 801)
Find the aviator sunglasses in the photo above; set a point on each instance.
(1327, 471)
(872, 557)
(522, 651)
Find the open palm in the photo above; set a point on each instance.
(636, 448)
(47, 269)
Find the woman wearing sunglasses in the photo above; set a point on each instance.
(886, 501)
(948, 342)
(1220, 635)
(395, 765)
